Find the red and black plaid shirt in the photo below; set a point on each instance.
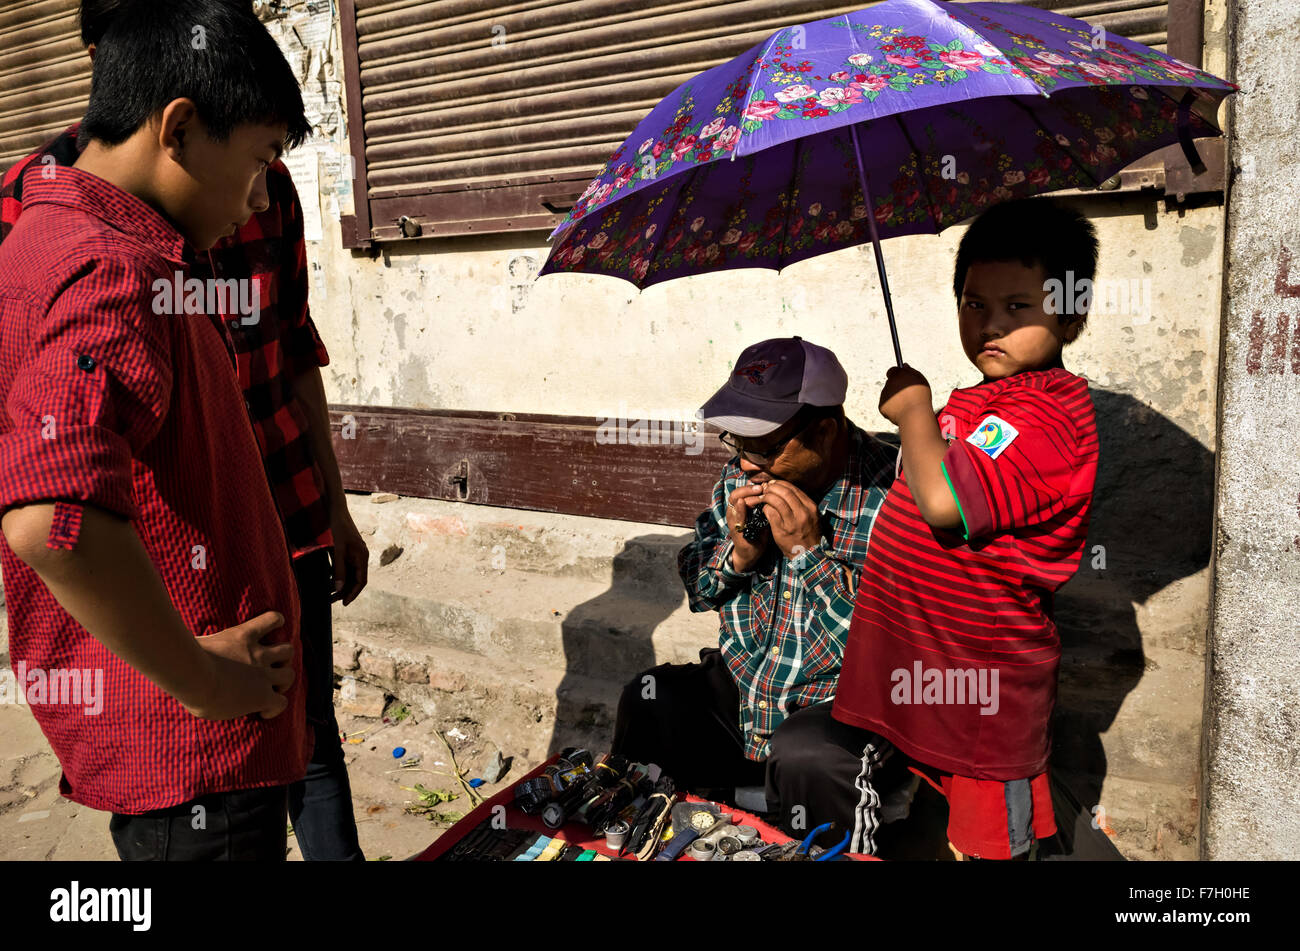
(107, 403)
(269, 353)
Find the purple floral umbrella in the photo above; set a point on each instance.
(946, 108)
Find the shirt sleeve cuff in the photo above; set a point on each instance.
(967, 490)
(84, 464)
(304, 349)
(721, 563)
(65, 526)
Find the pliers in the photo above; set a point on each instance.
(801, 853)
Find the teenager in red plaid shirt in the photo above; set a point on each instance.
(276, 358)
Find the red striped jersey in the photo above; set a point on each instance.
(952, 651)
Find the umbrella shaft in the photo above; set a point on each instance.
(875, 242)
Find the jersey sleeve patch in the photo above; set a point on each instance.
(992, 436)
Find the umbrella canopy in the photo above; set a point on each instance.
(925, 112)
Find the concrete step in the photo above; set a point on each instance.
(519, 627)
(589, 628)
(526, 710)
(492, 539)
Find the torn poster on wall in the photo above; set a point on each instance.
(307, 32)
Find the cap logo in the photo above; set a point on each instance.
(753, 372)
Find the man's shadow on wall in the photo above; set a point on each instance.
(1152, 522)
(608, 639)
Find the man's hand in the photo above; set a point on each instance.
(745, 554)
(796, 523)
(351, 557)
(905, 391)
(248, 675)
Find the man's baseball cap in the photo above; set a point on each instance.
(772, 381)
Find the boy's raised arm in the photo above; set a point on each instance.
(907, 403)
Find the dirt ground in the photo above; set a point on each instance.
(36, 823)
(393, 823)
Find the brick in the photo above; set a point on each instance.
(449, 681)
(412, 673)
(362, 700)
(377, 665)
(345, 656)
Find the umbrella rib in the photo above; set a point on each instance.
(668, 222)
(753, 77)
(1052, 138)
(925, 186)
(794, 206)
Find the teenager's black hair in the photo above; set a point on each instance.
(96, 15)
(1032, 231)
(214, 52)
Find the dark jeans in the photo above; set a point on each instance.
(685, 719)
(247, 825)
(320, 805)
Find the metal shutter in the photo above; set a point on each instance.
(464, 136)
(44, 74)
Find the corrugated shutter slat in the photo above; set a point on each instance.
(44, 74)
(444, 109)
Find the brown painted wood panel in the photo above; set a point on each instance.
(528, 461)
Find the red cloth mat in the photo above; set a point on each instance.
(575, 833)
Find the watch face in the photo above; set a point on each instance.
(702, 821)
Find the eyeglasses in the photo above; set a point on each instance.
(761, 457)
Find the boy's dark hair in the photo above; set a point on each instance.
(214, 52)
(96, 15)
(1031, 231)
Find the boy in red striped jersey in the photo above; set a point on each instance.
(952, 652)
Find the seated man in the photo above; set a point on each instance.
(780, 589)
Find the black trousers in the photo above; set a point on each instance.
(247, 825)
(821, 770)
(684, 717)
(320, 804)
(250, 824)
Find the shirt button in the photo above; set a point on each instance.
(776, 651)
(86, 362)
(786, 595)
(232, 324)
(762, 704)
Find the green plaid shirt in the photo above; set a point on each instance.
(784, 623)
